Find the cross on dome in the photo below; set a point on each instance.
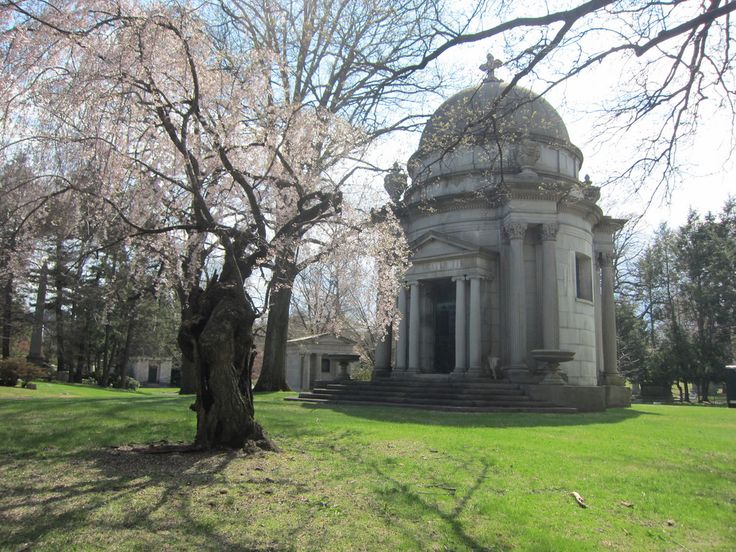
(489, 67)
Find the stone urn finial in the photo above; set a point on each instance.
(528, 153)
(395, 183)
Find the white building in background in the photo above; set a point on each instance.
(150, 370)
(318, 358)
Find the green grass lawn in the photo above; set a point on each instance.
(355, 478)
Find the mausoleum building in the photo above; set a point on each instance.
(511, 253)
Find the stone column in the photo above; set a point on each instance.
(382, 367)
(342, 373)
(415, 320)
(401, 346)
(550, 298)
(516, 300)
(460, 329)
(317, 370)
(610, 363)
(303, 372)
(35, 354)
(597, 310)
(474, 328)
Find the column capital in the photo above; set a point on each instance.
(459, 278)
(549, 231)
(515, 230)
(605, 259)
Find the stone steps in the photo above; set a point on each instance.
(408, 390)
(444, 407)
(452, 395)
(423, 402)
(435, 395)
(420, 384)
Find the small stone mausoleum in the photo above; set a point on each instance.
(511, 254)
(150, 370)
(318, 357)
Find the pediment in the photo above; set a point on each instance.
(323, 339)
(434, 244)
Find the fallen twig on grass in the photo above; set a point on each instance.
(579, 499)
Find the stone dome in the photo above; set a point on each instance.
(486, 130)
(479, 115)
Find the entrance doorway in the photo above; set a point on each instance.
(444, 326)
(152, 374)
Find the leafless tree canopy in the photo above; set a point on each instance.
(678, 57)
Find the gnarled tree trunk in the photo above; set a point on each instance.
(216, 336)
(188, 385)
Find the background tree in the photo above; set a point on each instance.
(676, 312)
(706, 260)
(21, 203)
(677, 59)
(345, 57)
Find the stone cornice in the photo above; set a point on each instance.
(609, 225)
(447, 204)
(582, 208)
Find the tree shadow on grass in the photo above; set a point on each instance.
(395, 414)
(418, 497)
(119, 491)
(66, 426)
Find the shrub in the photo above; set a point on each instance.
(132, 383)
(28, 372)
(361, 372)
(14, 369)
(8, 374)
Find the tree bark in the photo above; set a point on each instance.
(216, 336)
(184, 338)
(703, 390)
(188, 377)
(7, 316)
(105, 380)
(59, 310)
(273, 369)
(109, 358)
(125, 353)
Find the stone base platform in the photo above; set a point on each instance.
(583, 398)
(448, 392)
(435, 393)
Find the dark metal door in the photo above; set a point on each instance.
(444, 327)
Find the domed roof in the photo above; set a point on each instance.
(479, 115)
